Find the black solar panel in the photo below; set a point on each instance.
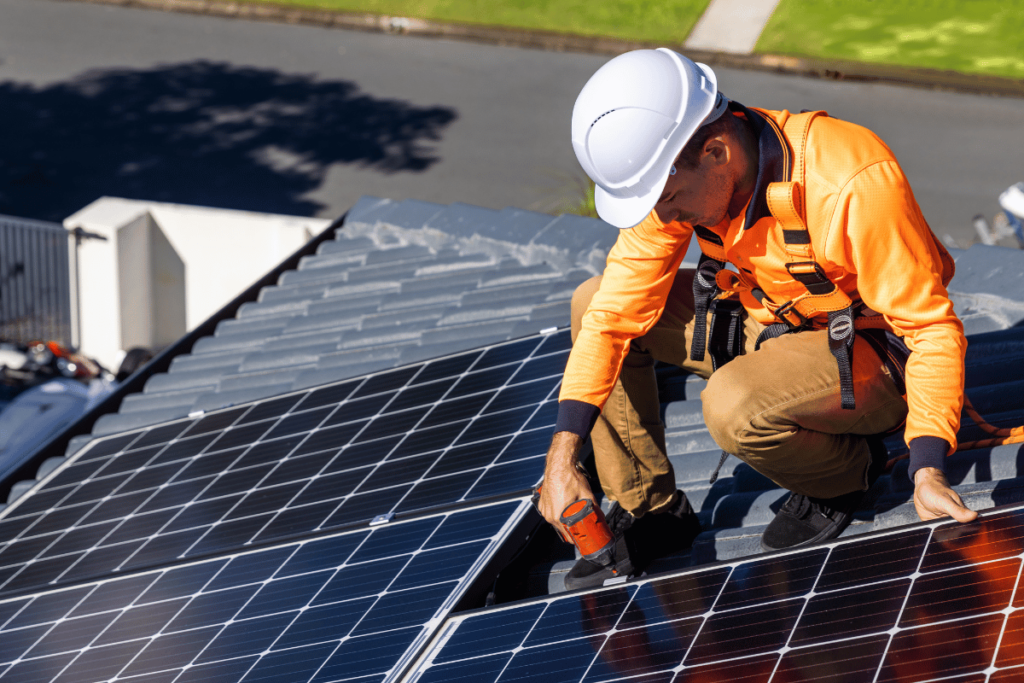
(335, 607)
(928, 603)
(451, 431)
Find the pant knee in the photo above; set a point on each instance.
(725, 406)
(581, 301)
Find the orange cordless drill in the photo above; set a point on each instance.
(582, 523)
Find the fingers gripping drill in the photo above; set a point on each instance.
(583, 524)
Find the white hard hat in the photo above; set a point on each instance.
(631, 120)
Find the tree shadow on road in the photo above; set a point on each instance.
(199, 133)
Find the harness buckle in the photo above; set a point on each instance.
(788, 314)
(798, 268)
(812, 276)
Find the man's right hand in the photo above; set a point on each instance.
(564, 483)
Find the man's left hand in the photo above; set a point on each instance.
(934, 498)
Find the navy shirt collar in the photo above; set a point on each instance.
(774, 163)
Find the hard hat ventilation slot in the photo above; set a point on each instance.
(601, 117)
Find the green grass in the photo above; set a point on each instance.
(970, 36)
(582, 202)
(661, 21)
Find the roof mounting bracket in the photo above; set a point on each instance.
(382, 519)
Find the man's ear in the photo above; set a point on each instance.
(716, 152)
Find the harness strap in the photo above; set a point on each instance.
(840, 343)
(786, 205)
(772, 331)
(785, 202)
(725, 340)
(704, 289)
(734, 283)
(710, 243)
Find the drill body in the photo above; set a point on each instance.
(583, 525)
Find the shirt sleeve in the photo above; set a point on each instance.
(900, 274)
(640, 270)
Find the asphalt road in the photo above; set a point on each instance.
(96, 100)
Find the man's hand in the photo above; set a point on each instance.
(564, 484)
(934, 498)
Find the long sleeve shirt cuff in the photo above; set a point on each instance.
(576, 417)
(927, 451)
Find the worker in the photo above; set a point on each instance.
(831, 327)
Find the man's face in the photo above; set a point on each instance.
(698, 196)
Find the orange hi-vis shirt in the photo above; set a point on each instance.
(868, 234)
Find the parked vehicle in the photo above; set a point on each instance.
(44, 387)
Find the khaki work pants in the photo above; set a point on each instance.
(777, 409)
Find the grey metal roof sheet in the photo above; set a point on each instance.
(170, 399)
(409, 280)
(401, 281)
(989, 288)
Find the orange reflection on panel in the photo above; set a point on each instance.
(851, 662)
(1005, 676)
(958, 647)
(1011, 649)
(976, 589)
(985, 540)
(756, 670)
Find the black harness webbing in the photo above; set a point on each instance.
(840, 343)
(771, 332)
(704, 289)
(725, 339)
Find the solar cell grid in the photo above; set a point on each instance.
(329, 608)
(454, 430)
(933, 602)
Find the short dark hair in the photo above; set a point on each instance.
(689, 156)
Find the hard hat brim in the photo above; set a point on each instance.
(627, 212)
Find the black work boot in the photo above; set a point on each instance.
(804, 520)
(664, 533)
(638, 542)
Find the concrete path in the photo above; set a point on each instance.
(99, 100)
(731, 25)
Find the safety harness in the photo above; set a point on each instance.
(716, 290)
(821, 295)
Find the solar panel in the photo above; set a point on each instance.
(450, 431)
(350, 605)
(929, 602)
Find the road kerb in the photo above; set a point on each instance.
(561, 42)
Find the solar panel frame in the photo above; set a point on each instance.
(933, 601)
(241, 475)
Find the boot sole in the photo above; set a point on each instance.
(826, 534)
